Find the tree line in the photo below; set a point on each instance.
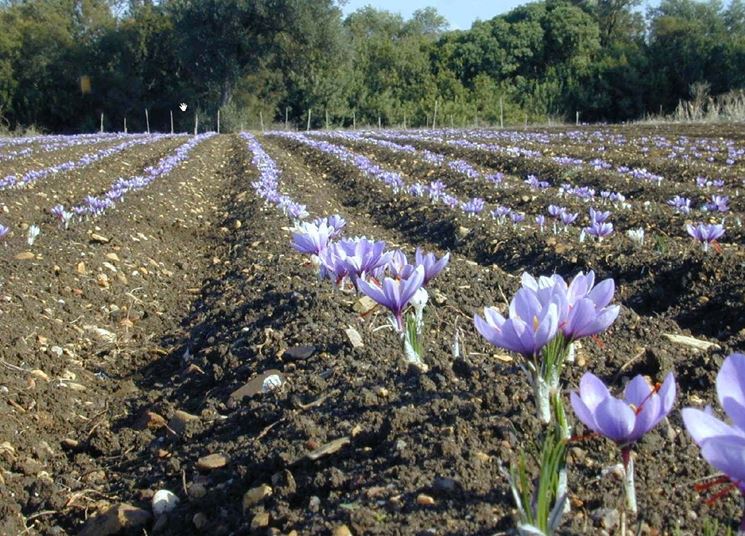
(63, 63)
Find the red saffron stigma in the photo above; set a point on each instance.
(716, 246)
(597, 341)
(721, 493)
(715, 481)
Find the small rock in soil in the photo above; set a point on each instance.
(95, 237)
(256, 385)
(200, 520)
(197, 491)
(116, 519)
(255, 496)
(212, 462)
(342, 530)
(164, 501)
(445, 486)
(424, 500)
(354, 337)
(300, 353)
(260, 521)
(284, 483)
(314, 504)
(181, 422)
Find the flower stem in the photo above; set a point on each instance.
(628, 481)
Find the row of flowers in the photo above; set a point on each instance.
(19, 181)
(545, 318)
(598, 225)
(60, 142)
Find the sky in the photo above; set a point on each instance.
(460, 13)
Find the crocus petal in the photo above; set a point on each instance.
(580, 320)
(486, 330)
(525, 305)
(547, 327)
(582, 412)
(411, 285)
(372, 291)
(493, 316)
(615, 419)
(702, 426)
(592, 390)
(637, 391)
(731, 388)
(646, 418)
(602, 293)
(518, 337)
(727, 454)
(667, 393)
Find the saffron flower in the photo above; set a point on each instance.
(364, 256)
(623, 421)
(473, 206)
(394, 294)
(311, 238)
(585, 308)
(4, 230)
(722, 444)
(540, 220)
(431, 264)
(599, 229)
(599, 216)
(531, 324)
(705, 233)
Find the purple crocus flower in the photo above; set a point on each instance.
(394, 294)
(599, 230)
(473, 206)
(436, 189)
(517, 217)
(364, 256)
(706, 233)
(4, 230)
(556, 211)
(626, 420)
(311, 238)
(334, 263)
(397, 262)
(540, 220)
(531, 324)
(681, 204)
(500, 213)
(431, 265)
(585, 308)
(568, 218)
(722, 444)
(334, 221)
(599, 216)
(718, 203)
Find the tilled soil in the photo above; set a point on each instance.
(128, 342)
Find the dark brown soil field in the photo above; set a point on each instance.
(128, 342)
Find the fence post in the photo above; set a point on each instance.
(101, 122)
(307, 129)
(501, 111)
(147, 121)
(171, 113)
(125, 124)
